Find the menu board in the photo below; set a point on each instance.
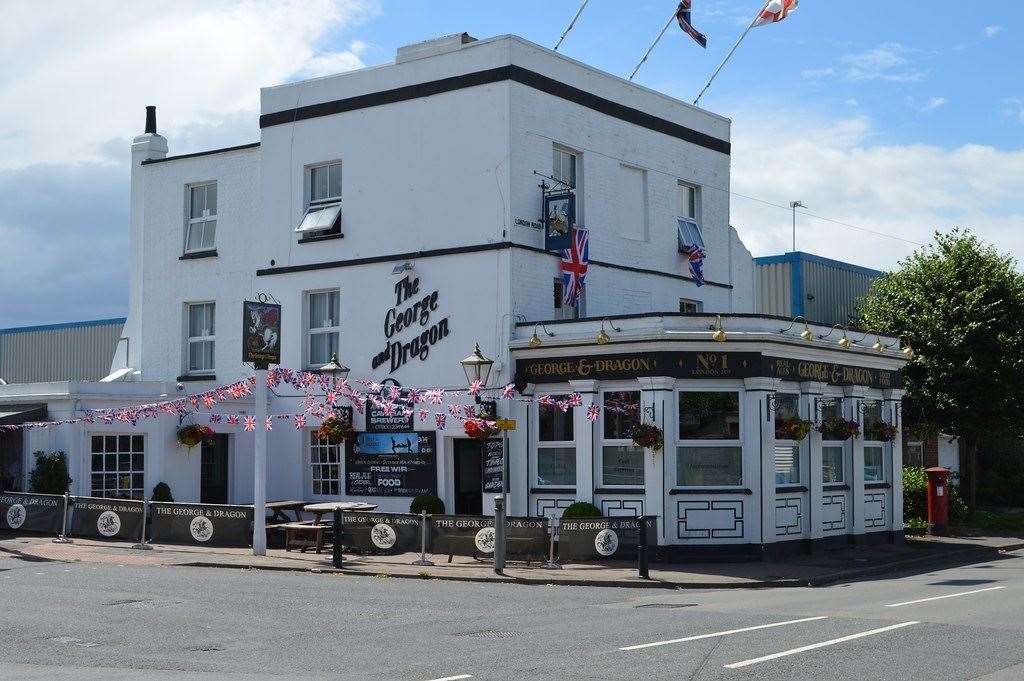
(494, 464)
(391, 465)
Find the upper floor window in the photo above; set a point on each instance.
(201, 337)
(324, 326)
(201, 230)
(563, 310)
(323, 208)
(563, 167)
(688, 306)
(688, 217)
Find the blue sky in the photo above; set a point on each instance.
(889, 120)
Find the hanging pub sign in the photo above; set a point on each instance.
(31, 512)
(493, 462)
(107, 518)
(470, 535)
(201, 524)
(261, 333)
(559, 217)
(603, 538)
(412, 311)
(397, 464)
(387, 533)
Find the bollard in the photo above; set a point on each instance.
(336, 557)
(62, 537)
(552, 564)
(423, 541)
(499, 533)
(641, 550)
(142, 545)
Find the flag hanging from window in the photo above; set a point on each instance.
(683, 17)
(575, 261)
(696, 259)
(775, 11)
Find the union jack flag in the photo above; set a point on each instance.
(575, 261)
(696, 258)
(685, 23)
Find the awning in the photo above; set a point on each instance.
(14, 414)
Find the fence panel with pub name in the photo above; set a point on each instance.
(31, 512)
(462, 535)
(603, 538)
(107, 518)
(201, 524)
(380, 533)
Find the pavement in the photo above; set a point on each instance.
(798, 570)
(91, 621)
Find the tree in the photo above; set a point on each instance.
(960, 305)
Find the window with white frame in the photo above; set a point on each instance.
(622, 462)
(325, 466)
(561, 309)
(688, 218)
(200, 338)
(913, 454)
(563, 167)
(118, 466)
(687, 306)
(556, 446)
(324, 329)
(874, 463)
(874, 468)
(832, 471)
(787, 449)
(201, 227)
(709, 453)
(323, 207)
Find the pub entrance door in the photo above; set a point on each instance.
(214, 471)
(469, 481)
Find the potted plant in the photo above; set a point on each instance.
(335, 430)
(194, 434)
(880, 431)
(838, 428)
(795, 429)
(480, 428)
(649, 436)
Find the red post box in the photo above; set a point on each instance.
(938, 499)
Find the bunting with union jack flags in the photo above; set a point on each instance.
(575, 261)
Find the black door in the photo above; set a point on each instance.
(468, 478)
(213, 477)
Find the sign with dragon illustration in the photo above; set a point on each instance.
(107, 518)
(469, 535)
(201, 524)
(261, 333)
(603, 538)
(31, 512)
(387, 533)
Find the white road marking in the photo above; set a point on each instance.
(814, 646)
(454, 678)
(939, 598)
(730, 632)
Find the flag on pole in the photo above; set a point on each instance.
(775, 11)
(575, 261)
(683, 17)
(696, 258)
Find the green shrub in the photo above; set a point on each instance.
(50, 476)
(162, 492)
(581, 509)
(915, 493)
(915, 526)
(427, 502)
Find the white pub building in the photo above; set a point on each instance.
(402, 214)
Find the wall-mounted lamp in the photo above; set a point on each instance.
(719, 331)
(843, 342)
(535, 341)
(805, 334)
(403, 267)
(908, 352)
(602, 337)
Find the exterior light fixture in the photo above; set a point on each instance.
(535, 340)
(844, 342)
(335, 369)
(719, 331)
(602, 337)
(908, 352)
(477, 368)
(878, 346)
(805, 334)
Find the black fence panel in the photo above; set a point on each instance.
(32, 512)
(467, 535)
(603, 538)
(201, 524)
(381, 533)
(107, 518)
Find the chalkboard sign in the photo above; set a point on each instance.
(31, 512)
(387, 533)
(379, 422)
(107, 518)
(603, 538)
(391, 465)
(494, 465)
(201, 524)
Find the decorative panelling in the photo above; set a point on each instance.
(552, 507)
(833, 513)
(788, 516)
(718, 519)
(622, 507)
(874, 510)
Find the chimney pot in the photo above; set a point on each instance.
(150, 120)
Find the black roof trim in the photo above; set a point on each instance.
(240, 147)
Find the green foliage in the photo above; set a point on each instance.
(997, 523)
(1001, 478)
(960, 305)
(581, 509)
(427, 502)
(161, 492)
(915, 526)
(50, 476)
(915, 497)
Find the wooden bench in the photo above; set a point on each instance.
(294, 532)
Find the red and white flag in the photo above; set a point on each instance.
(775, 11)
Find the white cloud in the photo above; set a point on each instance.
(887, 62)
(841, 171)
(818, 73)
(77, 74)
(992, 31)
(934, 103)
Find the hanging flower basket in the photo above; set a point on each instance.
(836, 428)
(649, 436)
(795, 429)
(480, 429)
(335, 430)
(195, 434)
(880, 431)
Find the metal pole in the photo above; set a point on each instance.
(651, 48)
(423, 541)
(794, 205)
(337, 560)
(62, 537)
(641, 550)
(259, 496)
(142, 545)
(499, 534)
(571, 24)
(729, 56)
(552, 564)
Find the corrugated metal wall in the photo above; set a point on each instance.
(73, 352)
(832, 294)
(774, 283)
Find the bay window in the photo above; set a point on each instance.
(622, 462)
(874, 466)
(709, 453)
(556, 446)
(787, 449)
(832, 465)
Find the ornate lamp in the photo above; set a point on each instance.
(335, 369)
(477, 367)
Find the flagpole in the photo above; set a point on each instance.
(651, 48)
(571, 24)
(729, 56)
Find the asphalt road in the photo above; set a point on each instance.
(88, 622)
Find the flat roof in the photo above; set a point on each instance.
(64, 325)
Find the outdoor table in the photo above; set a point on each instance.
(321, 509)
(279, 508)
